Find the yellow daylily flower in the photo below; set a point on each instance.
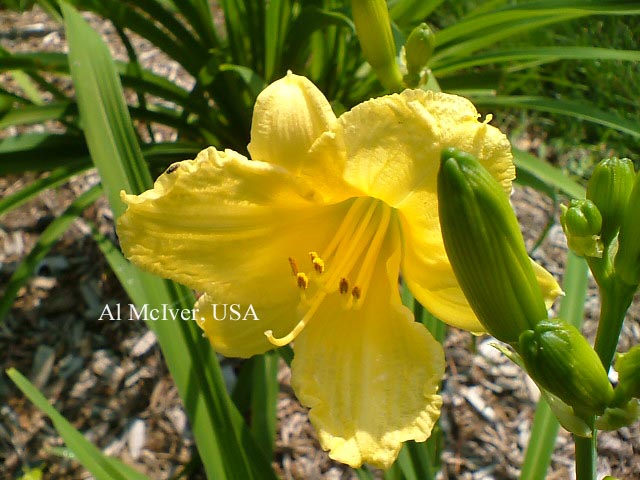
(312, 235)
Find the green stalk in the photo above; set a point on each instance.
(545, 425)
(541, 443)
(586, 456)
(615, 300)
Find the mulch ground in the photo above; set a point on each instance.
(109, 379)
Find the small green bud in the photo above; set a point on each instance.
(485, 247)
(373, 27)
(609, 189)
(559, 359)
(618, 417)
(628, 368)
(582, 223)
(419, 48)
(627, 262)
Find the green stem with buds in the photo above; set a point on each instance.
(615, 298)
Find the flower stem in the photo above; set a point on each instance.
(586, 456)
(615, 300)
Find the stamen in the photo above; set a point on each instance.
(303, 280)
(344, 286)
(290, 337)
(348, 258)
(354, 213)
(369, 262)
(318, 265)
(294, 266)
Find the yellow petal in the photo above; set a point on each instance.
(370, 376)
(227, 226)
(548, 285)
(392, 151)
(393, 143)
(289, 115)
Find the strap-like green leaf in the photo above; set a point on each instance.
(30, 114)
(226, 446)
(56, 177)
(277, 18)
(537, 54)
(409, 12)
(45, 242)
(264, 401)
(581, 110)
(100, 466)
(475, 25)
(104, 114)
(41, 152)
(546, 173)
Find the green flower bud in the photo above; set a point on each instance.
(559, 359)
(618, 417)
(485, 247)
(628, 368)
(627, 262)
(418, 51)
(609, 189)
(582, 223)
(373, 27)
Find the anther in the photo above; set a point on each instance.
(294, 266)
(318, 264)
(303, 280)
(344, 286)
(356, 292)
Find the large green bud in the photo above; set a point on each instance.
(485, 247)
(373, 27)
(627, 262)
(560, 360)
(609, 189)
(582, 222)
(418, 51)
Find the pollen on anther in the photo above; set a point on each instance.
(356, 292)
(294, 266)
(344, 286)
(303, 280)
(318, 264)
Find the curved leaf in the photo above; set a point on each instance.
(224, 441)
(564, 107)
(539, 55)
(45, 242)
(100, 465)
